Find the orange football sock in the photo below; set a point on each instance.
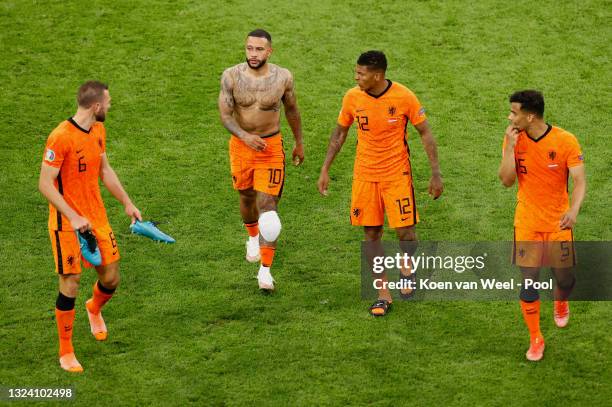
(252, 228)
(65, 320)
(531, 315)
(101, 295)
(267, 255)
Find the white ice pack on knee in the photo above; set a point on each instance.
(269, 226)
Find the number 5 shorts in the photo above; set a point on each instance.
(67, 253)
(263, 171)
(371, 200)
(543, 249)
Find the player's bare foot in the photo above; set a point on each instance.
(265, 280)
(252, 250)
(536, 349)
(69, 363)
(96, 323)
(561, 313)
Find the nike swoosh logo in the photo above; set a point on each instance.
(360, 110)
(115, 252)
(79, 151)
(404, 219)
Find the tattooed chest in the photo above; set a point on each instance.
(264, 94)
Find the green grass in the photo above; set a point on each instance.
(188, 324)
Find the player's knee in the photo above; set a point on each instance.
(373, 233)
(529, 294)
(406, 234)
(109, 275)
(69, 285)
(269, 226)
(112, 282)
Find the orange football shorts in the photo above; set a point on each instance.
(543, 249)
(371, 200)
(263, 171)
(67, 254)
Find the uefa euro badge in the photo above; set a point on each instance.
(89, 247)
(149, 229)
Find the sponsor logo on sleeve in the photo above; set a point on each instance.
(421, 111)
(581, 157)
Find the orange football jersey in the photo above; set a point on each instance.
(542, 168)
(77, 154)
(382, 149)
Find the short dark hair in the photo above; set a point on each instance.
(90, 92)
(373, 60)
(531, 101)
(260, 34)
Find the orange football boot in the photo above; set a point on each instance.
(96, 323)
(561, 313)
(69, 363)
(536, 349)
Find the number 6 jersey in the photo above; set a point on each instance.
(77, 154)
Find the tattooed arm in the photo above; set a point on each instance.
(292, 113)
(226, 111)
(336, 142)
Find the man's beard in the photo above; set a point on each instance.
(259, 65)
(100, 117)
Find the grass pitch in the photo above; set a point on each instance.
(188, 325)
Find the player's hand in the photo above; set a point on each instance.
(254, 141)
(298, 154)
(436, 187)
(323, 182)
(568, 220)
(511, 137)
(133, 212)
(80, 223)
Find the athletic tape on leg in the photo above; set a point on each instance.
(269, 226)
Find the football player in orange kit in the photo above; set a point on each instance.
(382, 176)
(74, 159)
(542, 157)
